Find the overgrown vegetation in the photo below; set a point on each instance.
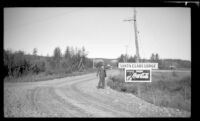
(169, 89)
(18, 64)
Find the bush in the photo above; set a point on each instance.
(123, 89)
(134, 90)
(17, 64)
(174, 74)
(175, 93)
(186, 81)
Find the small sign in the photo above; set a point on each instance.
(138, 65)
(137, 75)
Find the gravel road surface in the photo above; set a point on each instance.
(77, 97)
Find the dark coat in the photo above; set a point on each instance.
(102, 73)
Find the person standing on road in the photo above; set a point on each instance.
(101, 72)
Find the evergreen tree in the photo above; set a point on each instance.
(121, 58)
(152, 58)
(67, 53)
(57, 56)
(35, 51)
(157, 57)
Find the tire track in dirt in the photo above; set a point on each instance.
(104, 100)
(39, 99)
(94, 107)
(92, 110)
(76, 97)
(95, 102)
(54, 106)
(120, 108)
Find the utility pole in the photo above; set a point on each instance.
(136, 44)
(126, 53)
(136, 37)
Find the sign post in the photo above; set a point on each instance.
(138, 72)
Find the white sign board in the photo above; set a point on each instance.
(138, 72)
(138, 65)
(137, 75)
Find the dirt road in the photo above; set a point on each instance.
(77, 97)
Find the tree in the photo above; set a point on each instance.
(157, 57)
(35, 51)
(132, 59)
(72, 53)
(16, 64)
(57, 56)
(152, 58)
(8, 62)
(67, 53)
(83, 51)
(121, 58)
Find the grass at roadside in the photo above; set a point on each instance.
(46, 76)
(168, 89)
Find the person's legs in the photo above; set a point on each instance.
(103, 83)
(99, 84)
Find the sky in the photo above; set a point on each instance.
(101, 30)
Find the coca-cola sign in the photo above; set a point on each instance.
(137, 75)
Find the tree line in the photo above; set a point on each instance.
(155, 58)
(127, 58)
(18, 63)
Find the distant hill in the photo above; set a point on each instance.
(177, 63)
(105, 60)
